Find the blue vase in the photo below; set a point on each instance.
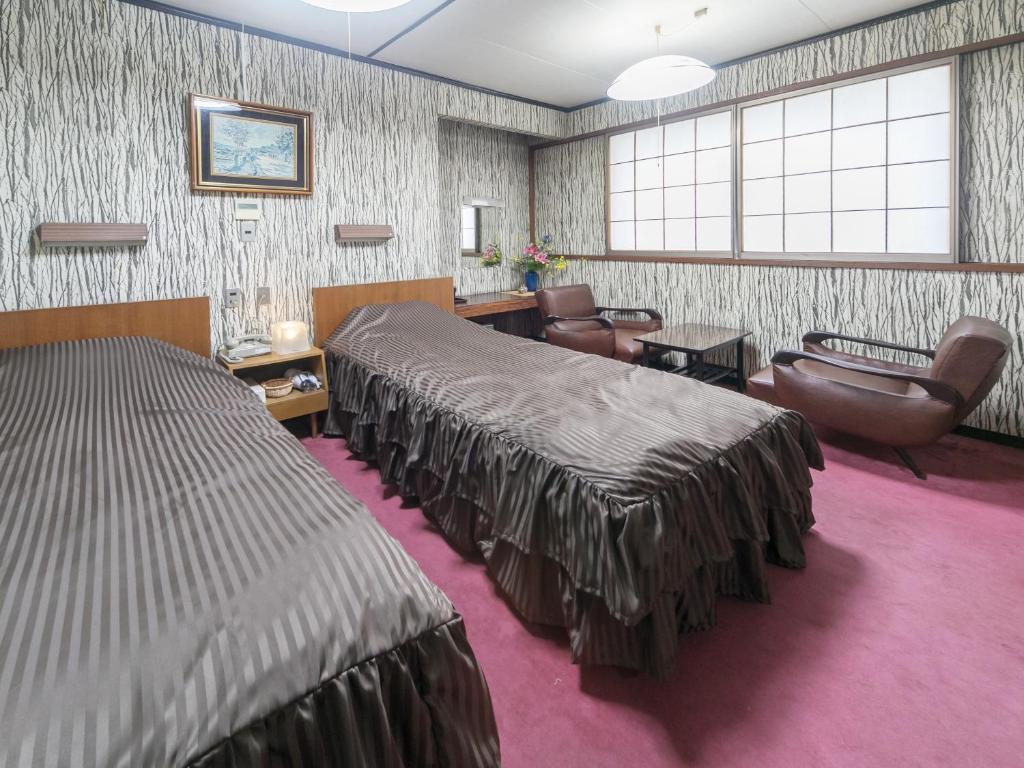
(531, 281)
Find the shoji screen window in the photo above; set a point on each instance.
(670, 187)
(864, 170)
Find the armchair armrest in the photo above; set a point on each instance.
(651, 313)
(815, 337)
(604, 321)
(937, 389)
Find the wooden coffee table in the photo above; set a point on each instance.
(696, 340)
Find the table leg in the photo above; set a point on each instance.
(313, 425)
(741, 377)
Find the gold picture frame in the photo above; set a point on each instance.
(243, 146)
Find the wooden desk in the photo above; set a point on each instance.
(516, 315)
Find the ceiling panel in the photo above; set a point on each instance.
(561, 52)
(295, 18)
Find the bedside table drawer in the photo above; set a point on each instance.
(297, 404)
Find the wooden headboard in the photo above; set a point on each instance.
(182, 322)
(331, 305)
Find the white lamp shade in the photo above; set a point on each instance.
(356, 6)
(289, 337)
(659, 77)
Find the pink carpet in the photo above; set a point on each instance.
(901, 644)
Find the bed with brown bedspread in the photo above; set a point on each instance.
(614, 500)
(181, 583)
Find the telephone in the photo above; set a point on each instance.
(237, 349)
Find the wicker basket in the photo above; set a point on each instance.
(277, 387)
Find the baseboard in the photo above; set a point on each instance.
(990, 437)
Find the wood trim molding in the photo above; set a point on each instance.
(655, 258)
(184, 323)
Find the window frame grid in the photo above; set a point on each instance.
(951, 256)
(733, 170)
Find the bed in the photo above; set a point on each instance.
(612, 500)
(181, 584)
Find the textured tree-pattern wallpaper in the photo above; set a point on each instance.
(484, 162)
(779, 304)
(93, 125)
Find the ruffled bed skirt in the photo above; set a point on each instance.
(424, 703)
(623, 579)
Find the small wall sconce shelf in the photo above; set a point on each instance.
(53, 235)
(363, 233)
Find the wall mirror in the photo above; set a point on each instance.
(480, 221)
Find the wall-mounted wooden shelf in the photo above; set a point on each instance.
(363, 233)
(53, 235)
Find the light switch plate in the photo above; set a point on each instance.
(263, 296)
(248, 209)
(232, 298)
(247, 231)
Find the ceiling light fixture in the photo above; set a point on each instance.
(356, 6)
(661, 76)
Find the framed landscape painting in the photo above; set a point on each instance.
(238, 146)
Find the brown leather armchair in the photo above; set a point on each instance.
(902, 406)
(572, 320)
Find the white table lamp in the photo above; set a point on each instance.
(289, 337)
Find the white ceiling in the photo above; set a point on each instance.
(560, 52)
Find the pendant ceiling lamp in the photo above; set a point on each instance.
(661, 76)
(356, 6)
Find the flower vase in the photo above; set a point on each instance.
(532, 281)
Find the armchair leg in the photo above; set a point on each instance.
(907, 459)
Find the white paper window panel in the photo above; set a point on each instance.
(762, 234)
(621, 177)
(714, 199)
(650, 235)
(649, 204)
(808, 193)
(858, 232)
(679, 137)
(859, 103)
(809, 114)
(468, 217)
(621, 207)
(648, 173)
(919, 185)
(468, 239)
(858, 147)
(680, 235)
(921, 230)
(919, 139)
(923, 92)
(858, 190)
(714, 234)
(762, 159)
(620, 148)
(808, 232)
(622, 235)
(762, 122)
(807, 154)
(714, 165)
(679, 169)
(680, 202)
(714, 130)
(762, 196)
(648, 143)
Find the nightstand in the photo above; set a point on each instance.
(273, 366)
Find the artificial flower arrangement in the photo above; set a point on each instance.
(491, 256)
(540, 257)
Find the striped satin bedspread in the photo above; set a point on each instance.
(608, 498)
(181, 583)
